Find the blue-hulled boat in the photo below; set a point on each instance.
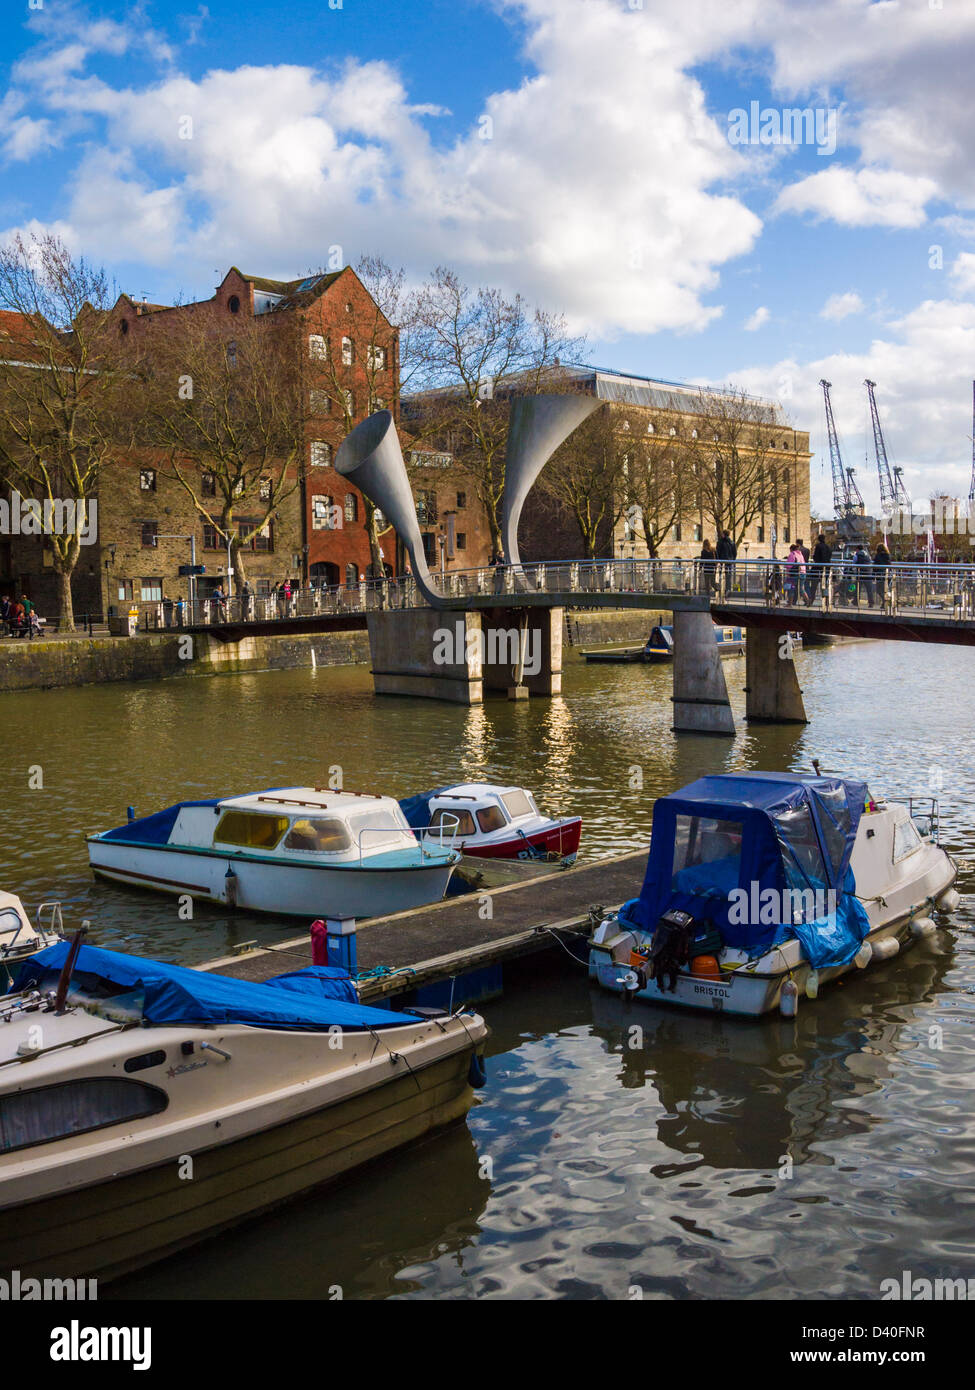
(659, 646)
(763, 884)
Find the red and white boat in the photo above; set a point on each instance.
(493, 822)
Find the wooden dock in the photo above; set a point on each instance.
(462, 936)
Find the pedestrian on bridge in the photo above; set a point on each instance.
(728, 552)
(707, 569)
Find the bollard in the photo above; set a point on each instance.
(341, 944)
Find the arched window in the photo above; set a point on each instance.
(351, 507)
(351, 575)
(233, 304)
(347, 353)
(650, 427)
(317, 347)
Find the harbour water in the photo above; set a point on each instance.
(614, 1151)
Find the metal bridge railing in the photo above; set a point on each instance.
(907, 589)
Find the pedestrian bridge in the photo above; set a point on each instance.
(900, 602)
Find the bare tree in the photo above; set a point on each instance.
(470, 350)
(588, 475)
(63, 394)
(733, 473)
(229, 413)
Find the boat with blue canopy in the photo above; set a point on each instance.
(762, 885)
(115, 1072)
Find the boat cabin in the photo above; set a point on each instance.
(472, 810)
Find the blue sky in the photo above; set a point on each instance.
(169, 143)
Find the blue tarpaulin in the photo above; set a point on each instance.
(733, 837)
(177, 995)
(416, 809)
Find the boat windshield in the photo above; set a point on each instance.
(9, 920)
(464, 818)
(379, 830)
(707, 854)
(250, 829)
(517, 804)
(319, 836)
(491, 818)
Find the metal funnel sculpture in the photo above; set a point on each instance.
(370, 457)
(537, 426)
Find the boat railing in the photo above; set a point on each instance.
(55, 922)
(922, 809)
(417, 833)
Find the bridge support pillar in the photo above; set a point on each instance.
(522, 650)
(701, 704)
(772, 692)
(431, 653)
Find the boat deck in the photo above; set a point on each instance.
(442, 940)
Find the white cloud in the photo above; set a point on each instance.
(923, 370)
(861, 198)
(841, 306)
(756, 320)
(963, 273)
(568, 202)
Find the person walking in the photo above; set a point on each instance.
(4, 614)
(818, 574)
(881, 566)
(245, 600)
(707, 568)
(795, 569)
(728, 552)
(864, 568)
(27, 609)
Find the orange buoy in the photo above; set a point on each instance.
(706, 967)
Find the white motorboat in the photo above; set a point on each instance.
(19, 938)
(300, 851)
(762, 886)
(145, 1106)
(493, 822)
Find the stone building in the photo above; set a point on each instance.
(145, 518)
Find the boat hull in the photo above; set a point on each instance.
(561, 839)
(113, 1227)
(283, 888)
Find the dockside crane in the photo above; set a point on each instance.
(894, 500)
(847, 499)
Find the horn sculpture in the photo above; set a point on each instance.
(537, 426)
(370, 456)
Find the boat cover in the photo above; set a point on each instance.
(752, 832)
(416, 809)
(175, 994)
(156, 829)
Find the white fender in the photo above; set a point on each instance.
(864, 956)
(948, 901)
(923, 926)
(885, 949)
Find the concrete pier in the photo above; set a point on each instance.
(772, 691)
(701, 704)
(455, 655)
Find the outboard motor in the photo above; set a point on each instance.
(671, 947)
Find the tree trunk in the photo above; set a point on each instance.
(65, 602)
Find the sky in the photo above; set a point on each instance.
(626, 163)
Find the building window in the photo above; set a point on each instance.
(760, 534)
(351, 507)
(264, 489)
(208, 485)
(650, 427)
(211, 537)
(376, 357)
(348, 401)
(319, 402)
(253, 536)
(351, 575)
(126, 590)
(150, 532)
(426, 506)
(322, 514)
(317, 347)
(231, 354)
(698, 533)
(264, 538)
(152, 590)
(461, 500)
(672, 431)
(693, 434)
(321, 453)
(233, 304)
(461, 540)
(147, 479)
(677, 534)
(347, 352)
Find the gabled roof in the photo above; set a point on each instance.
(293, 292)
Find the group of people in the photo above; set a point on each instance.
(18, 617)
(861, 575)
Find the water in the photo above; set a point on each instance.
(699, 1156)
